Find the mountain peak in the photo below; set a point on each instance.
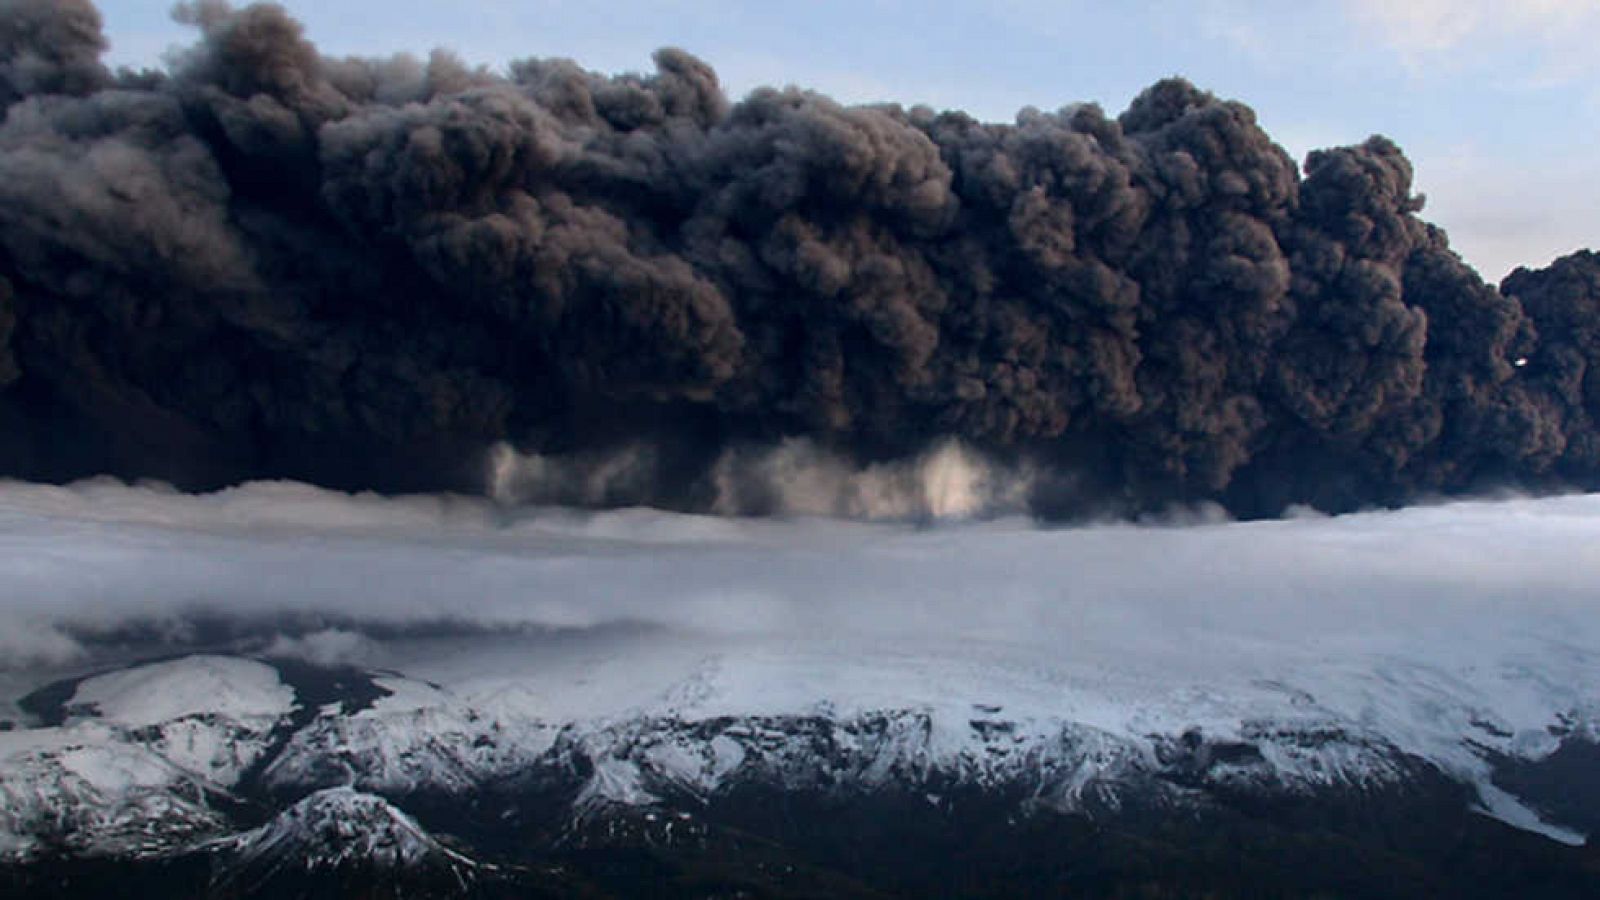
(341, 826)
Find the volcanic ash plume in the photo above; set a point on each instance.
(266, 262)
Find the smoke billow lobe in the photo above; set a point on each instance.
(363, 272)
(50, 47)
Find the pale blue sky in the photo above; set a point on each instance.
(1496, 101)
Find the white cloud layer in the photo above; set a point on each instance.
(1503, 579)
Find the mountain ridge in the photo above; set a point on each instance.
(355, 791)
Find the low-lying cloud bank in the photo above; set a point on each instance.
(324, 576)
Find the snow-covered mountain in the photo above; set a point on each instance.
(222, 757)
(1394, 704)
(338, 829)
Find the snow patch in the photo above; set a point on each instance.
(1498, 804)
(161, 692)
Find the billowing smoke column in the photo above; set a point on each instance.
(366, 272)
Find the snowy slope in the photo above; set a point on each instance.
(210, 716)
(91, 789)
(859, 716)
(792, 718)
(338, 827)
(131, 769)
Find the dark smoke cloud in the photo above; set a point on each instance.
(365, 272)
(50, 47)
